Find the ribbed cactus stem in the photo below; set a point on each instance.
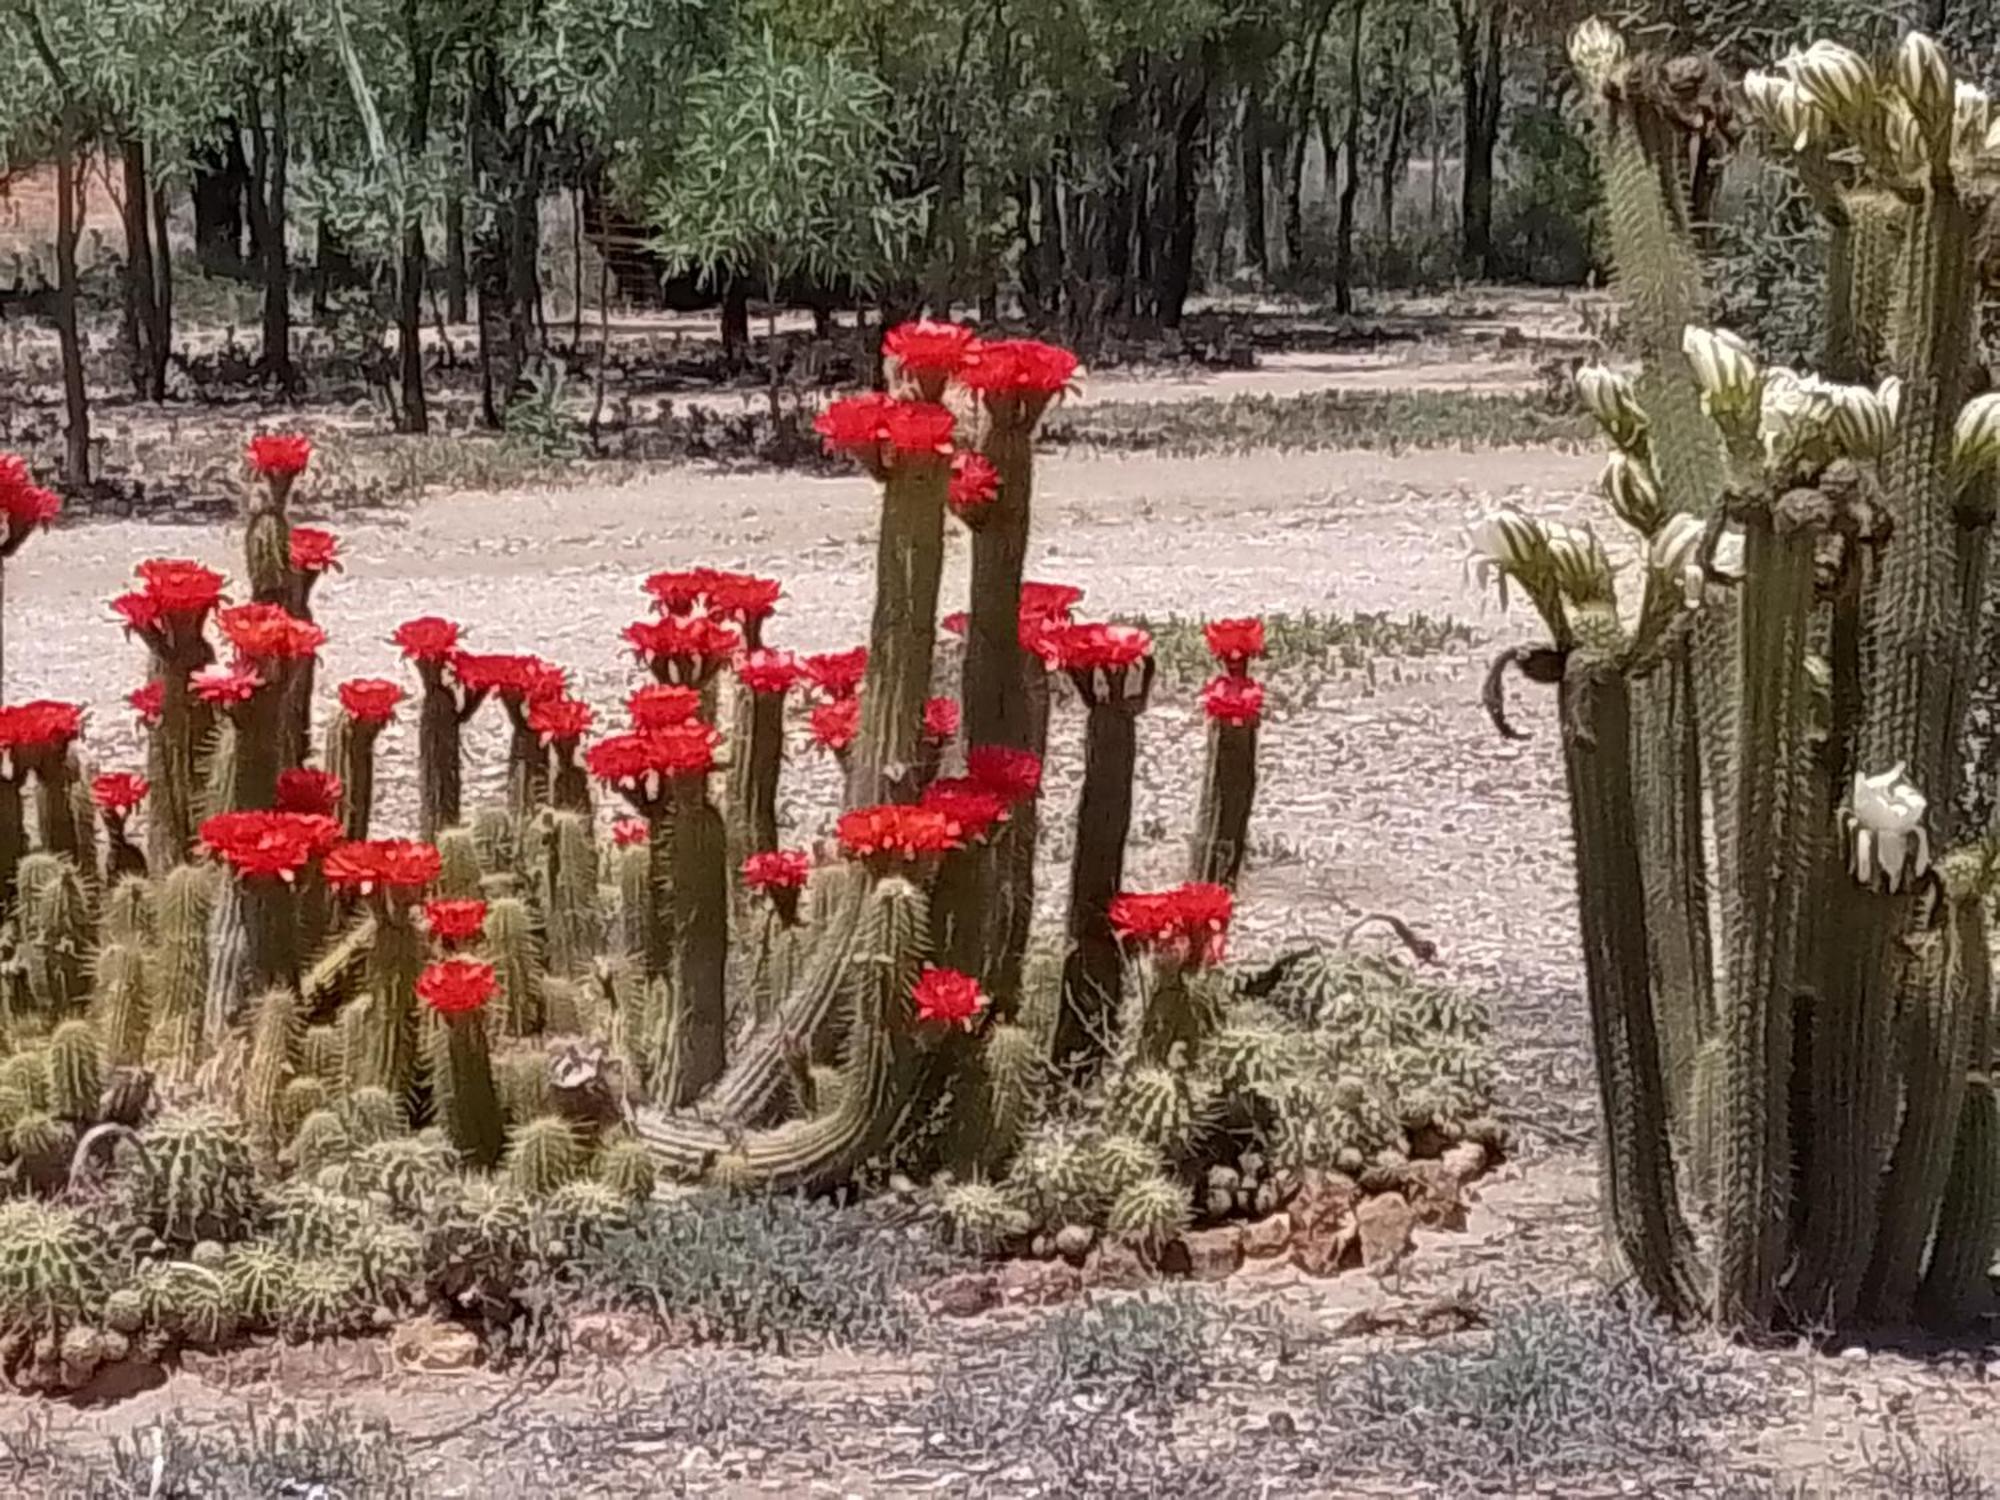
(254, 746)
(472, 1111)
(632, 865)
(13, 839)
(382, 1033)
(527, 763)
(757, 756)
(1093, 973)
(698, 917)
(569, 780)
(274, 1038)
(996, 668)
(253, 945)
(120, 1006)
(267, 549)
(516, 955)
(774, 968)
(1641, 1198)
(908, 561)
(438, 770)
(569, 895)
(174, 760)
(1228, 792)
(350, 755)
(1958, 1284)
(1947, 982)
(56, 778)
(180, 970)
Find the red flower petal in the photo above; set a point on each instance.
(280, 454)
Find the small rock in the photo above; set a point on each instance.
(1267, 1237)
(1221, 1203)
(1854, 1354)
(1433, 1192)
(1466, 1161)
(1073, 1242)
(1205, 1254)
(430, 1344)
(1038, 1283)
(614, 1335)
(1383, 1224)
(1322, 1215)
(1224, 1179)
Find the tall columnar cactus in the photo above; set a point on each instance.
(570, 895)
(367, 705)
(168, 612)
(253, 942)
(55, 934)
(312, 554)
(179, 970)
(1234, 706)
(1789, 694)
(391, 875)
(430, 644)
(1112, 667)
(757, 753)
(457, 990)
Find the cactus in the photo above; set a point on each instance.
(350, 756)
(1157, 1107)
(460, 878)
(407, 1171)
(76, 1071)
(372, 1114)
(569, 895)
(625, 1167)
(757, 754)
(521, 1081)
(497, 836)
(581, 1213)
(1150, 1212)
(697, 917)
(471, 1109)
(381, 1031)
(543, 1155)
(981, 1218)
(321, 1140)
(257, 1280)
(53, 1267)
(1228, 791)
(179, 969)
(511, 947)
(274, 1040)
(186, 1302)
(198, 1182)
(42, 1147)
(440, 726)
(127, 915)
(56, 937)
(1957, 1286)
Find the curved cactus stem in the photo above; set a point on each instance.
(87, 1146)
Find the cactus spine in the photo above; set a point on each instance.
(908, 560)
(381, 1032)
(1228, 792)
(350, 755)
(570, 895)
(180, 969)
(471, 1107)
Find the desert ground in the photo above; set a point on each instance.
(1487, 1360)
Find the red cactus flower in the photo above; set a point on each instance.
(742, 597)
(1233, 700)
(149, 701)
(627, 760)
(398, 867)
(875, 428)
(768, 671)
(427, 639)
(456, 986)
(975, 484)
(1189, 923)
(280, 455)
(627, 833)
(919, 429)
(172, 586)
(370, 700)
(945, 997)
(834, 725)
(219, 686)
(929, 351)
(941, 718)
(838, 674)
(1235, 642)
(517, 678)
(897, 831)
(972, 805)
(677, 591)
(137, 610)
(25, 504)
(40, 726)
(314, 550)
(1013, 775)
(956, 623)
(776, 870)
(1018, 368)
(698, 642)
(455, 921)
(1097, 647)
(854, 424)
(268, 632)
(307, 789)
(1049, 600)
(116, 793)
(271, 845)
(555, 719)
(662, 705)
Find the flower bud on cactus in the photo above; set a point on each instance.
(1837, 79)
(1975, 445)
(1922, 76)
(1608, 397)
(1726, 370)
(1596, 50)
(1635, 499)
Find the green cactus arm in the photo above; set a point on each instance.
(1094, 971)
(908, 562)
(996, 668)
(1958, 1286)
(1228, 792)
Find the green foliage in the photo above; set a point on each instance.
(198, 1182)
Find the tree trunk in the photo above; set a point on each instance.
(1350, 187)
(457, 305)
(735, 319)
(277, 273)
(221, 179)
(1395, 146)
(1256, 229)
(1481, 29)
(413, 416)
(76, 399)
(1174, 274)
(135, 210)
(163, 297)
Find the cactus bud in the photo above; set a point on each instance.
(1596, 50)
(1836, 79)
(1972, 121)
(1903, 139)
(1581, 571)
(1676, 553)
(1862, 419)
(1635, 498)
(1923, 77)
(1608, 397)
(1786, 111)
(1885, 817)
(1507, 545)
(1726, 370)
(1795, 416)
(1976, 443)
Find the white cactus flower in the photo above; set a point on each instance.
(1885, 818)
(1676, 554)
(1992, 148)
(1728, 560)
(1579, 567)
(1922, 75)
(1608, 396)
(1835, 78)
(1503, 545)
(1635, 498)
(1976, 441)
(1726, 370)
(1596, 49)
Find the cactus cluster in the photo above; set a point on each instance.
(1785, 928)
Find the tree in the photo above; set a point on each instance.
(787, 168)
(1480, 27)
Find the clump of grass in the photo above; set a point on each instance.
(1558, 1389)
(1310, 645)
(1387, 420)
(768, 1273)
